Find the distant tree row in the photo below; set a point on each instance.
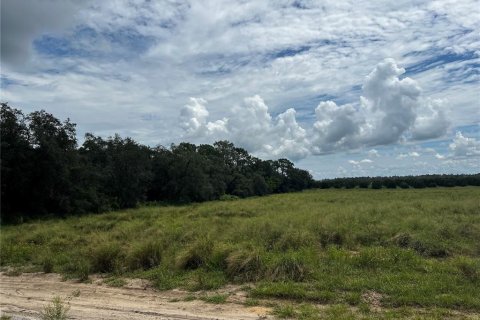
(45, 172)
(405, 182)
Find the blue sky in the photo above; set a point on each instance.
(343, 88)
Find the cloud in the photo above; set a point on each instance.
(462, 146)
(23, 20)
(431, 121)
(250, 126)
(335, 127)
(194, 120)
(387, 113)
(394, 106)
(373, 153)
(133, 64)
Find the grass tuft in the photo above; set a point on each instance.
(245, 265)
(145, 255)
(216, 299)
(56, 310)
(196, 255)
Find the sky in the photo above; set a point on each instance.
(342, 88)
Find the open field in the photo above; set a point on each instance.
(362, 253)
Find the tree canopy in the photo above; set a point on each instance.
(45, 172)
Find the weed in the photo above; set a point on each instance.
(56, 310)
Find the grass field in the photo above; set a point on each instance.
(400, 250)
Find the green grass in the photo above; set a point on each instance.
(216, 298)
(413, 247)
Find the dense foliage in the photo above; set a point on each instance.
(417, 182)
(43, 170)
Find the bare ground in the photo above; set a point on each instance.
(25, 296)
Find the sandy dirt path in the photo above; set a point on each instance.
(26, 295)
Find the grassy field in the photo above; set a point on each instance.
(353, 250)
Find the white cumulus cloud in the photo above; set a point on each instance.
(387, 113)
(463, 146)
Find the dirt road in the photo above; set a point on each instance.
(24, 296)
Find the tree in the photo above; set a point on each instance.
(54, 153)
(16, 164)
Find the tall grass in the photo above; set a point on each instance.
(414, 247)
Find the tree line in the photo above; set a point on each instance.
(45, 172)
(404, 182)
